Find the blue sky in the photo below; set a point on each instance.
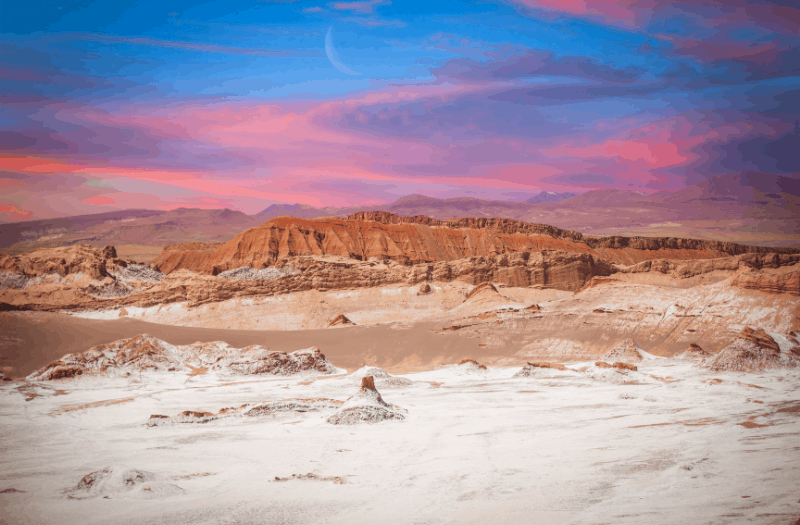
(238, 104)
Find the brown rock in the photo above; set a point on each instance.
(368, 383)
(545, 364)
(472, 362)
(424, 288)
(340, 320)
(191, 414)
(625, 366)
(760, 338)
(602, 364)
(481, 288)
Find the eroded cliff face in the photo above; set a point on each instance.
(406, 244)
(185, 255)
(769, 273)
(135, 285)
(556, 270)
(416, 240)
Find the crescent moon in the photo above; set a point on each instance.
(333, 57)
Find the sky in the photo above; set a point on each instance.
(162, 104)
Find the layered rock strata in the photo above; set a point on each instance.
(415, 240)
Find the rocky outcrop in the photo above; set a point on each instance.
(618, 365)
(753, 351)
(184, 255)
(694, 352)
(541, 368)
(775, 274)
(367, 406)
(340, 320)
(64, 261)
(146, 354)
(483, 296)
(483, 289)
(760, 338)
(470, 366)
(627, 351)
(121, 482)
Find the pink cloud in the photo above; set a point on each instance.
(667, 143)
(13, 213)
(99, 200)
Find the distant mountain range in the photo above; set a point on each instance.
(547, 197)
(748, 208)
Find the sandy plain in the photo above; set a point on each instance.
(671, 443)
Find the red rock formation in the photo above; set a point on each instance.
(761, 338)
(186, 255)
(419, 239)
(368, 382)
(387, 249)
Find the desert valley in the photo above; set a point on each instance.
(334, 369)
(423, 262)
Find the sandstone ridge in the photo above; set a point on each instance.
(420, 239)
